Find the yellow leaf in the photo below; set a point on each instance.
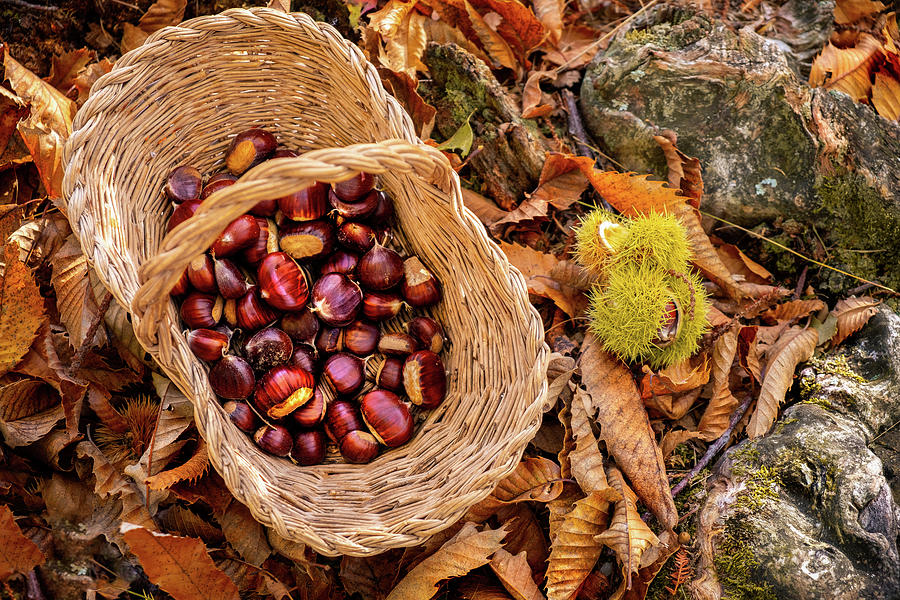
(852, 313)
(21, 310)
(403, 32)
(195, 466)
(850, 11)
(792, 310)
(515, 575)
(846, 70)
(886, 96)
(586, 458)
(496, 47)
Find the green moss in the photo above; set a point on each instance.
(737, 566)
(836, 364)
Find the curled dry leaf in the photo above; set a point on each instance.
(161, 13)
(847, 69)
(28, 411)
(109, 483)
(245, 534)
(550, 14)
(684, 171)
(534, 479)
(680, 377)
(748, 351)
(494, 44)
(852, 314)
(534, 209)
(20, 554)
(795, 346)
(515, 574)
(563, 179)
(740, 264)
(177, 519)
(536, 267)
(792, 310)
(585, 458)
(628, 535)
(850, 11)
(518, 25)
(570, 273)
(403, 87)
(484, 208)
(886, 96)
(672, 439)
(722, 404)
(179, 565)
(195, 466)
(74, 294)
(65, 68)
(525, 534)
(466, 551)
(559, 372)
(532, 95)
(21, 310)
(625, 427)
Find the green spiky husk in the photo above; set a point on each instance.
(655, 238)
(589, 249)
(625, 314)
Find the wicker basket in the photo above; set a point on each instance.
(178, 99)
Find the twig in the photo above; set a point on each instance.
(576, 127)
(717, 446)
(30, 6)
(33, 587)
(801, 281)
(89, 336)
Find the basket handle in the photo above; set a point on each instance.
(272, 179)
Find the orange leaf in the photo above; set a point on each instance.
(403, 88)
(684, 171)
(74, 294)
(562, 179)
(625, 427)
(550, 14)
(716, 417)
(180, 566)
(245, 534)
(535, 479)
(576, 47)
(532, 95)
(795, 346)
(195, 466)
(20, 555)
(485, 209)
(519, 26)
(674, 379)
(28, 411)
(536, 267)
(88, 76)
(852, 313)
(493, 43)
(515, 574)
(533, 209)
(850, 11)
(66, 68)
(740, 264)
(846, 70)
(21, 311)
(162, 13)
(794, 309)
(886, 96)
(405, 40)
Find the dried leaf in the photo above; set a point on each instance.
(852, 314)
(684, 171)
(282, 5)
(88, 76)
(534, 479)
(850, 11)
(559, 372)
(515, 574)
(562, 180)
(795, 346)
(162, 13)
(550, 14)
(245, 533)
(20, 554)
(576, 47)
(478, 588)
(886, 95)
(403, 87)
(179, 565)
(672, 439)
(680, 377)
(65, 68)
(526, 534)
(48, 125)
(532, 95)
(536, 267)
(586, 458)
(485, 209)
(792, 310)
(494, 44)
(627, 535)
(847, 69)
(573, 551)
(625, 427)
(109, 483)
(533, 209)
(21, 310)
(468, 550)
(403, 31)
(28, 411)
(717, 416)
(40, 238)
(740, 264)
(371, 576)
(517, 24)
(195, 466)
(183, 521)
(74, 295)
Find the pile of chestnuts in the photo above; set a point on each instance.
(287, 305)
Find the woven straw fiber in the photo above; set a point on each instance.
(178, 99)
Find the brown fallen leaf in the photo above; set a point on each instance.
(716, 417)
(88, 76)
(180, 520)
(852, 314)
(684, 171)
(625, 427)
(403, 87)
(748, 351)
(28, 411)
(180, 566)
(550, 14)
(526, 534)
(850, 11)
(515, 574)
(195, 466)
(680, 377)
(886, 95)
(628, 536)
(65, 68)
(569, 273)
(494, 44)
(741, 264)
(245, 533)
(485, 209)
(481, 588)
(651, 563)
(162, 13)
(536, 267)
(585, 458)
(847, 69)
(562, 180)
(792, 310)
(74, 295)
(532, 96)
(518, 25)
(20, 554)
(672, 439)
(21, 310)
(795, 346)
(403, 33)
(535, 479)
(466, 551)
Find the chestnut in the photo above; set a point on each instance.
(252, 312)
(670, 324)
(201, 310)
(424, 378)
(181, 286)
(202, 274)
(384, 210)
(241, 415)
(182, 213)
(308, 240)
(386, 417)
(248, 148)
(232, 378)
(420, 288)
(359, 447)
(217, 182)
(285, 153)
(345, 372)
(308, 204)
(361, 337)
(208, 344)
(342, 417)
(282, 390)
(330, 339)
(381, 306)
(240, 233)
(282, 283)
(309, 448)
(336, 299)
(397, 344)
(305, 357)
(274, 439)
(264, 208)
(313, 412)
(390, 374)
(268, 348)
(353, 189)
(357, 237)
(427, 332)
(340, 262)
(356, 210)
(231, 282)
(380, 268)
(265, 242)
(184, 183)
(302, 326)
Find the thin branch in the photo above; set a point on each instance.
(30, 6)
(576, 127)
(91, 332)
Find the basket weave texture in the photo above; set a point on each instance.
(178, 99)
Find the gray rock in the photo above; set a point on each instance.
(807, 511)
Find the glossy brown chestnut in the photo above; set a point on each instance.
(308, 240)
(264, 208)
(342, 417)
(202, 274)
(248, 148)
(306, 358)
(241, 415)
(309, 448)
(313, 412)
(359, 447)
(427, 332)
(282, 283)
(345, 372)
(351, 190)
(208, 344)
(285, 153)
(424, 378)
(386, 417)
(184, 183)
(397, 344)
(232, 378)
(201, 310)
(361, 337)
(340, 261)
(381, 306)
(358, 210)
(283, 390)
(336, 299)
(181, 286)
(380, 268)
(217, 182)
(384, 210)
(240, 233)
(182, 213)
(303, 326)
(231, 282)
(274, 440)
(268, 348)
(420, 288)
(330, 339)
(390, 374)
(356, 237)
(252, 312)
(265, 242)
(308, 204)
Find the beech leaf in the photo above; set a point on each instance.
(180, 566)
(20, 554)
(550, 13)
(586, 458)
(795, 346)
(245, 533)
(29, 409)
(497, 49)
(515, 574)
(21, 310)
(536, 266)
(717, 416)
(850, 11)
(847, 69)
(886, 96)
(535, 479)
(684, 171)
(74, 294)
(852, 314)
(526, 534)
(792, 310)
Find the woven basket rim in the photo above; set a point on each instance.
(409, 153)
